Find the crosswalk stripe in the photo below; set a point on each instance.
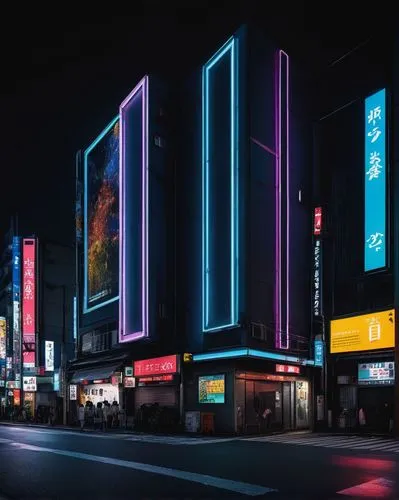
(347, 442)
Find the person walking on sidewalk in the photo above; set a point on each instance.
(81, 416)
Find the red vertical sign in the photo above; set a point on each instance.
(317, 220)
(29, 302)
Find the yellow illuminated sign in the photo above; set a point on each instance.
(363, 333)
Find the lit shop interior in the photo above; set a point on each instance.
(244, 400)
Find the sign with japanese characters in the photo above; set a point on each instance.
(317, 283)
(15, 326)
(29, 384)
(29, 302)
(375, 172)
(73, 392)
(49, 356)
(156, 366)
(367, 332)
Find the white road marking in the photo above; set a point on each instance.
(143, 438)
(204, 479)
(336, 442)
(177, 440)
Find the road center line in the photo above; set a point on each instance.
(216, 482)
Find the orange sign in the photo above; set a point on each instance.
(363, 333)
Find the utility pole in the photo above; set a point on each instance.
(63, 358)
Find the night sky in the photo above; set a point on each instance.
(64, 74)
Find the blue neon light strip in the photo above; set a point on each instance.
(375, 172)
(252, 353)
(228, 49)
(87, 309)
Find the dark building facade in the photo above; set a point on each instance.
(244, 219)
(353, 187)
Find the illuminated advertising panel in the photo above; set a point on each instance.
(363, 333)
(29, 384)
(156, 366)
(375, 183)
(220, 219)
(211, 389)
(29, 302)
(101, 219)
(134, 214)
(317, 281)
(376, 373)
(3, 327)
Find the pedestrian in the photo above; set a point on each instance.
(362, 418)
(115, 414)
(81, 416)
(98, 417)
(105, 414)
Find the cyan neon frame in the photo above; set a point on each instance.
(142, 88)
(230, 47)
(282, 107)
(86, 308)
(252, 353)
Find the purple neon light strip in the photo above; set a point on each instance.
(142, 87)
(278, 298)
(286, 346)
(278, 208)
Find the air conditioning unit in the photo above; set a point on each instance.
(258, 331)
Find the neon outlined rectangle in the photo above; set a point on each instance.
(141, 89)
(230, 47)
(375, 182)
(87, 309)
(282, 106)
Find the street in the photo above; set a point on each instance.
(38, 463)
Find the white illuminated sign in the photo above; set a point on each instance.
(73, 392)
(29, 384)
(49, 356)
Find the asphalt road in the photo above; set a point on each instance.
(57, 464)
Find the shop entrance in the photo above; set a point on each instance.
(377, 404)
(268, 405)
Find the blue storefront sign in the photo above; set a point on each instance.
(375, 182)
(318, 353)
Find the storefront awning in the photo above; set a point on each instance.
(98, 373)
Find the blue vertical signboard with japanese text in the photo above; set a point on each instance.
(375, 226)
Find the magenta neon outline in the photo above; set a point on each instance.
(278, 134)
(142, 86)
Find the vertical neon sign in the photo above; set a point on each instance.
(16, 306)
(229, 52)
(282, 246)
(133, 158)
(375, 182)
(29, 302)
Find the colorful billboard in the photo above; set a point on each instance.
(363, 333)
(29, 302)
(375, 184)
(101, 219)
(15, 328)
(211, 389)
